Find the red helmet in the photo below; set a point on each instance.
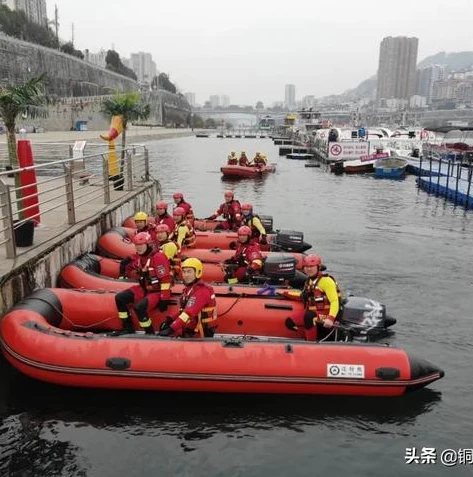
(312, 261)
(161, 205)
(179, 211)
(142, 238)
(247, 207)
(229, 193)
(178, 195)
(162, 228)
(244, 230)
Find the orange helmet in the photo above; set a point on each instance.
(312, 261)
(244, 230)
(142, 238)
(179, 211)
(162, 228)
(178, 195)
(161, 205)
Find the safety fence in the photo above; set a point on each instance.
(63, 187)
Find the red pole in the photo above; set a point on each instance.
(28, 181)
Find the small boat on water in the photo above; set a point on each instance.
(247, 171)
(51, 336)
(390, 168)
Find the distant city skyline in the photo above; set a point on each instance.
(251, 55)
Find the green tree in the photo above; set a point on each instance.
(26, 98)
(259, 105)
(165, 83)
(70, 50)
(128, 105)
(114, 63)
(210, 123)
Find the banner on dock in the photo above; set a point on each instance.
(349, 149)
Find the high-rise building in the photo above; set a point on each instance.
(224, 101)
(214, 100)
(190, 97)
(426, 78)
(290, 96)
(35, 9)
(143, 66)
(397, 68)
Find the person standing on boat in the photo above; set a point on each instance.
(197, 314)
(258, 232)
(183, 233)
(169, 248)
(243, 160)
(231, 211)
(154, 288)
(246, 261)
(232, 159)
(162, 215)
(322, 300)
(180, 202)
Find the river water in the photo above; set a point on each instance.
(383, 239)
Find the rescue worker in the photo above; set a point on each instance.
(143, 224)
(243, 160)
(154, 288)
(169, 248)
(232, 159)
(163, 216)
(322, 301)
(183, 233)
(231, 212)
(260, 160)
(258, 232)
(197, 314)
(180, 202)
(247, 259)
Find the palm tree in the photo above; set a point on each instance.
(27, 98)
(130, 107)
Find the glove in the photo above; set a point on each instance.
(263, 240)
(166, 323)
(162, 305)
(328, 321)
(166, 332)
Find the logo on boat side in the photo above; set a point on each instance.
(345, 370)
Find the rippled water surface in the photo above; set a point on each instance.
(382, 239)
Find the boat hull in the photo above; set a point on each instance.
(247, 171)
(34, 342)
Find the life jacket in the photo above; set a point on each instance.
(147, 274)
(229, 211)
(190, 238)
(248, 220)
(232, 160)
(315, 299)
(207, 317)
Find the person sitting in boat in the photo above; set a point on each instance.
(243, 160)
(183, 233)
(180, 202)
(169, 248)
(322, 299)
(197, 314)
(260, 160)
(231, 211)
(246, 261)
(143, 224)
(258, 232)
(163, 216)
(154, 288)
(232, 159)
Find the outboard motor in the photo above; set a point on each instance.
(279, 267)
(289, 241)
(267, 222)
(365, 318)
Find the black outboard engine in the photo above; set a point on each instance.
(365, 318)
(267, 222)
(279, 267)
(289, 241)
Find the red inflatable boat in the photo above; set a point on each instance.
(50, 336)
(247, 171)
(252, 309)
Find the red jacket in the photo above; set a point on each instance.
(197, 310)
(154, 272)
(231, 212)
(248, 255)
(166, 219)
(188, 209)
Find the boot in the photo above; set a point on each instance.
(127, 325)
(149, 330)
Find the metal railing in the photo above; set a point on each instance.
(65, 186)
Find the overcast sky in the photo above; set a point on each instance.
(249, 49)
